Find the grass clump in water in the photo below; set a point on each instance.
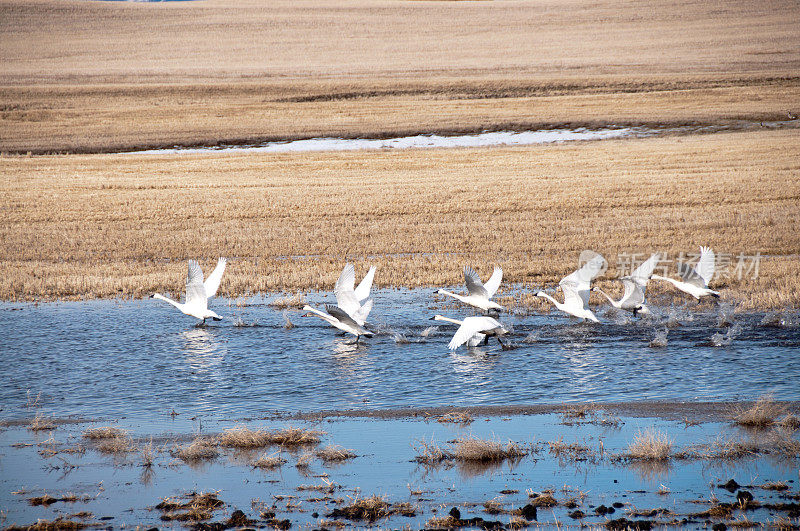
(244, 438)
(650, 445)
(295, 437)
(198, 450)
(334, 453)
(197, 507)
(269, 462)
(104, 432)
(372, 508)
(484, 450)
(762, 414)
(298, 300)
(41, 423)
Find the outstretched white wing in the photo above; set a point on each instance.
(577, 284)
(642, 273)
(212, 282)
(493, 283)
(343, 290)
(474, 284)
(471, 326)
(705, 266)
(364, 287)
(195, 291)
(360, 315)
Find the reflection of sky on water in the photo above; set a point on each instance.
(137, 358)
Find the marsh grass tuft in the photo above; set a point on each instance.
(493, 506)
(116, 445)
(41, 423)
(243, 437)
(372, 508)
(650, 445)
(197, 507)
(200, 449)
(270, 461)
(104, 432)
(291, 436)
(476, 449)
(456, 417)
(334, 453)
(762, 414)
(545, 499)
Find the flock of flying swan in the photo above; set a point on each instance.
(353, 303)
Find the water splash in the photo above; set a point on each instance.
(533, 337)
(660, 339)
(723, 340)
(430, 331)
(780, 320)
(401, 339)
(725, 314)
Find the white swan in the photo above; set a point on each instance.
(635, 286)
(354, 301)
(576, 287)
(472, 326)
(695, 279)
(197, 292)
(340, 319)
(479, 293)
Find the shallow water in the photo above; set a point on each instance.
(142, 359)
(118, 489)
(483, 139)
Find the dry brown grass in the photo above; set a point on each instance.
(334, 453)
(105, 226)
(198, 450)
(485, 450)
(411, 71)
(298, 300)
(104, 432)
(545, 499)
(270, 461)
(243, 437)
(293, 437)
(456, 417)
(195, 506)
(762, 414)
(116, 445)
(650, 444)
(41, 423)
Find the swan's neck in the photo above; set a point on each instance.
(670, 280)
(614, 303)
(551, 299)
(443, 318)
(454, 295)
(167, 299)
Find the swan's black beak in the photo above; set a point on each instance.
(432, 319)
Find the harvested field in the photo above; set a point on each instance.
(122, 225)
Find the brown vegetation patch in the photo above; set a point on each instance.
(195, 507)
(243, 437)
(57, 524)
(456, 417)
(545, 499)
(115, 445)
(104, 432)
(334, 452)
(298, 300)
(650, 444)
(762, 414)
(269, 462)
(46, 500)
(198, 450)
(291, 436)
(477, 449)
(41, 423)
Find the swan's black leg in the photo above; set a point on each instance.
(634, 311)
(485, 340)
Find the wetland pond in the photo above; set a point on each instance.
(146, 369)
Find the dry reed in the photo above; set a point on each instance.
(104, 432)
(269, 462)
(198, 450)
(292, 437)
(243, 437)
(41, 423)
(484, 450)
(334, 453)
(762, 414)
(650, 444)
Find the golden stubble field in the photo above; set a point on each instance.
(123, 225)
(82, 76)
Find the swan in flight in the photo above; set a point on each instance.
(635, 285)
(480, 325)
(479, 293)
(695, 279)
(576, 287)
(198, 292)
(354, 301)
(340, 319)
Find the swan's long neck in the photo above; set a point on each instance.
(322, 315)
(450, 294)
(670, 280)
(449, 320)
(614, 303)
(166, 299)
(551, 299)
